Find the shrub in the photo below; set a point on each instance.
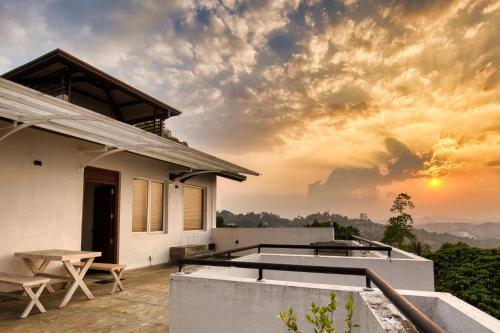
(320, 317)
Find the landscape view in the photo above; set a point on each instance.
(178, 146)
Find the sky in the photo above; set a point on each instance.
(340, 105)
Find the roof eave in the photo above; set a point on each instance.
(95, 71)
(151, 145)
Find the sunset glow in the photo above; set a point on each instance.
(338, 104)
(434, 182)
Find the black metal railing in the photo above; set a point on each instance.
(315, 247)
(367, 241)
(423, 323)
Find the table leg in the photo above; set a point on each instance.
(77, 278)
(35, 270)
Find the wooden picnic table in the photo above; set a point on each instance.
(65, 256)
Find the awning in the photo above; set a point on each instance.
(27, 107)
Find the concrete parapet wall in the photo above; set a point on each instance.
(200, 304)
(399, 273)
(227, 238)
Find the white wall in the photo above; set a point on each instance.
(226, 238)
(240, 305)
(41, 206)
(205, 302)
(451, 313)
(399, 273)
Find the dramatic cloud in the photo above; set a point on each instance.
(301, 90)
(361, 184)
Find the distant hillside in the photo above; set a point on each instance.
(367, 228)
(476, 231)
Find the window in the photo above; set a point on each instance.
(140, 206)
(148, 205)
(156, 206)
(194, 198)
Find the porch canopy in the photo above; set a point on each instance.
(27, 107)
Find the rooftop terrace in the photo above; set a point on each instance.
(218, 299)
(143, 306)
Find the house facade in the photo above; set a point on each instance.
(84, 164)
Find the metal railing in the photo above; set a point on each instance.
(317, 248)
(367, 241)
(423, 323)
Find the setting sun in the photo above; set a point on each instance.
(434, 182)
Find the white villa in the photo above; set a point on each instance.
(83, 165)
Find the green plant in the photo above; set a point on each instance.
(470, 273)
(320, 317)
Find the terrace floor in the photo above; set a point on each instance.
(143, 306)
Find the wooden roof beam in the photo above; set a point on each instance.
(115, 109)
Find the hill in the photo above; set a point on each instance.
(468, 230)
(367, 228)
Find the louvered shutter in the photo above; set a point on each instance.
(157, 192)
(193, 208)
(140, 205)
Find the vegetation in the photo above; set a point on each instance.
(341, 232)
(219, 222)
(464, 270)
(418, 247)
(472, 274)
(168, 135)
(399, 228)
(320, 317)
(367, 228)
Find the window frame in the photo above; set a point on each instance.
(148, 215)
(203, 210)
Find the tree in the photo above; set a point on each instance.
(470, 273)
(219, 222)
(399, 228)
(340, 231)
(418, 247)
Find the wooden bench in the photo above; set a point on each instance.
(116, 271)
(26, 283)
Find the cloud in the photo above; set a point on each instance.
(346, 184)
(321, 85)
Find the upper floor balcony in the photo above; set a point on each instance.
(64, 76)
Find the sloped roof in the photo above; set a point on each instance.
(87, 81)
(33, 108)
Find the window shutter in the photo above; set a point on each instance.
(193, 208)
(140, 205)
(156, 206)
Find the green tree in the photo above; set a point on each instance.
(340, 231)
(469, 273)
(219, 222)
(399, 228)
(418, 247)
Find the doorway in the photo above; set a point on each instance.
(100, 213)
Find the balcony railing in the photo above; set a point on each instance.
(419, 319)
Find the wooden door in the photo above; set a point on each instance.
(103, 239)
(105, 224)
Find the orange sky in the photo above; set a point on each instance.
(339, 104)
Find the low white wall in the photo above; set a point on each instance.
(451, 313)
(41, 206)
(208, 305)
(227, 238)
(214, 300)
(399, 273)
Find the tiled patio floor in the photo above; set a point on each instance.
(142, 307)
